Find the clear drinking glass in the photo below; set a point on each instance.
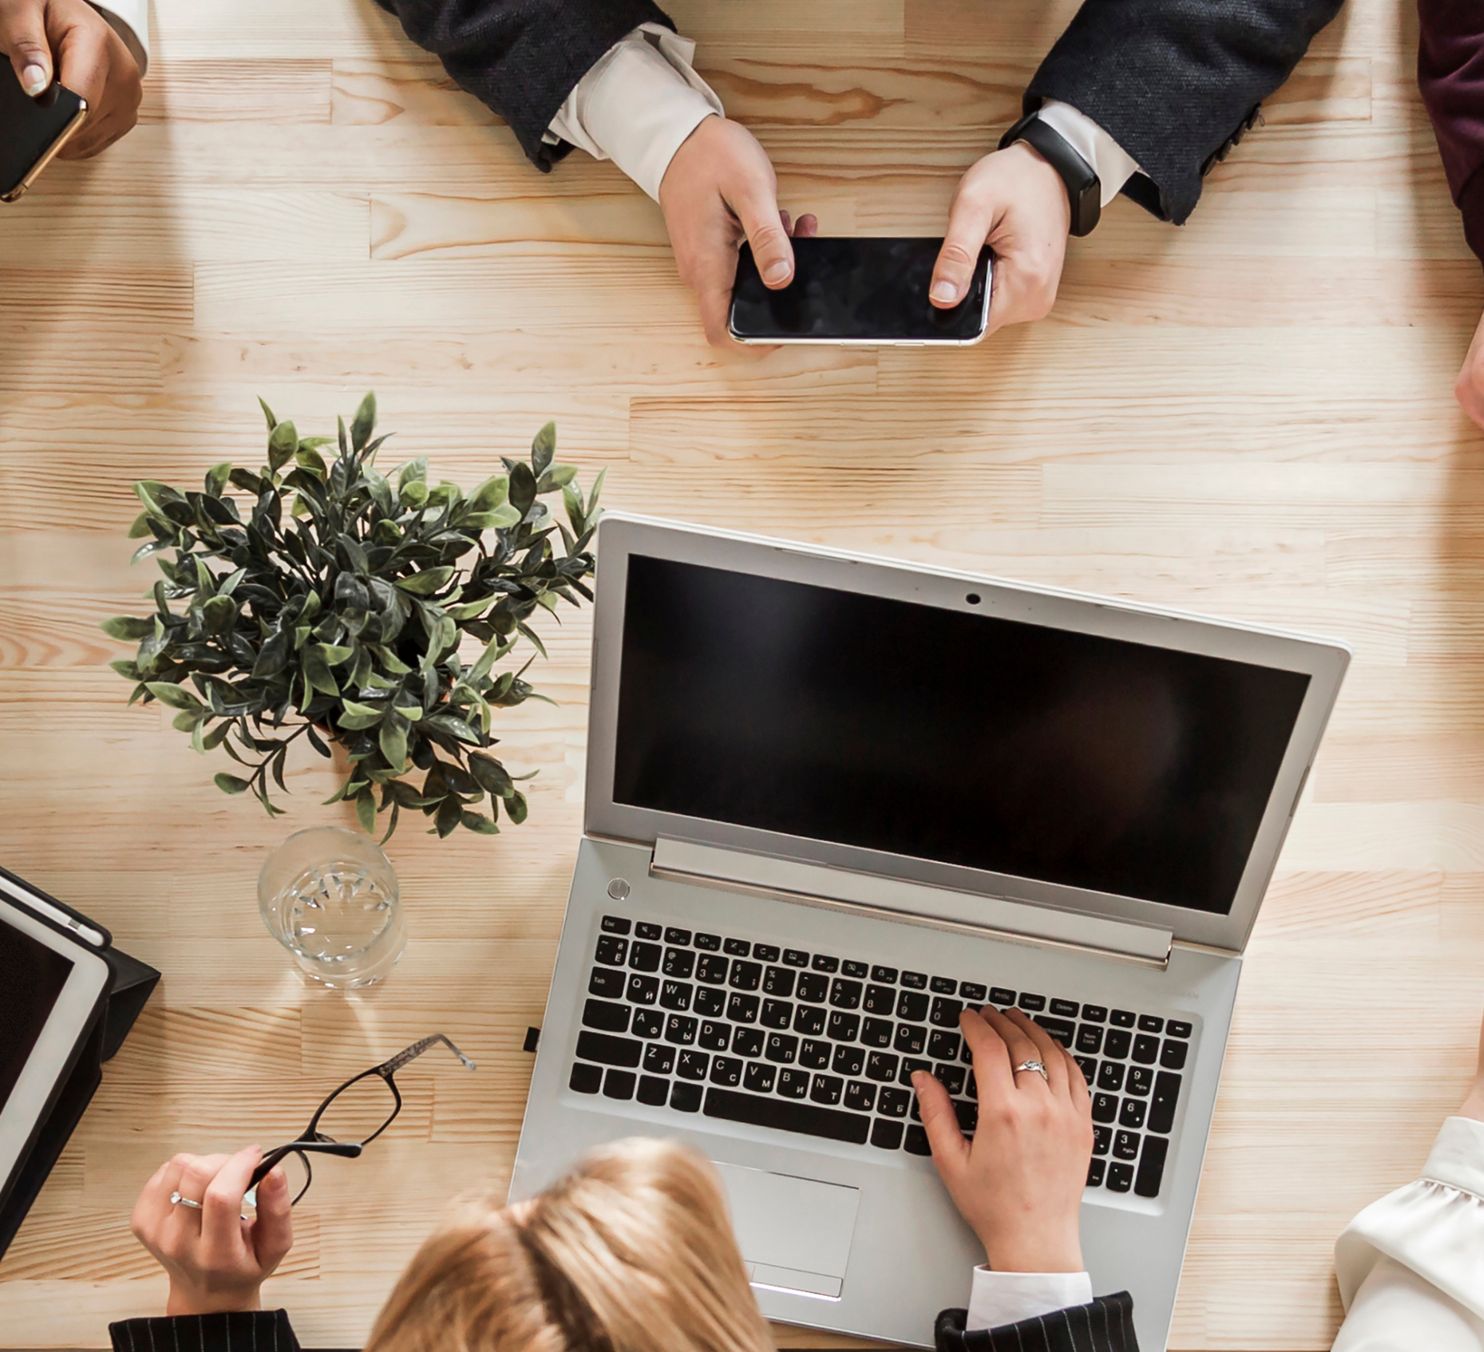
(330, 897)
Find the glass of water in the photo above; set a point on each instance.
(330, 897)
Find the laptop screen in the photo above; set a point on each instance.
(1073, 759)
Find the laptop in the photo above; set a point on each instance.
(831, 800)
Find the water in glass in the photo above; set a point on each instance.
(330, 897)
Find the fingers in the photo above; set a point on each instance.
(1018, 1045)
(991, 1057)
(757, 210)
(950, 1149)
(23, 40)
(716, 307)
(273, 1226)
(969, 223)
(153, 1205)
(95, 64)
(807, 226)
(221, 1207)
(195, 1178)
(1048, 1049)
(1077, 1086)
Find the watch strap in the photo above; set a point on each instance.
(1084, 188)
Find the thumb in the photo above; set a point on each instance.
(771, 249)
(950, 1149)
(968, 228)
(23, 40)
(273, 1226)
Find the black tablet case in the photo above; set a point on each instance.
(119, 1006)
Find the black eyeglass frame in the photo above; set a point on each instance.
(314, 1141)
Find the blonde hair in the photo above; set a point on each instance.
(630, 1252)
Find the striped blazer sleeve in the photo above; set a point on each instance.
(243, 1331)
(1106, 1325)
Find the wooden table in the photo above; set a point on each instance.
(1249, 416)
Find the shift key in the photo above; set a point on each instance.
(609, 1051)
(1162, 1105)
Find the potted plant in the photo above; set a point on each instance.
(328, 602)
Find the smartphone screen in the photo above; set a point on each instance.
(858, 290)
(31, 129)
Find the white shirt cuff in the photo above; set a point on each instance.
(130, 20)
(1113, 165)
(637, 105)
(1008, 1297)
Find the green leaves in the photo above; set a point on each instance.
(314, 597)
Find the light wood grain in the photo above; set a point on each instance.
(1248, 416)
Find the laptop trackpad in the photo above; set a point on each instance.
(794, 1233)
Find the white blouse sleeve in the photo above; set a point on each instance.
(1411, 1266)
(130, 20)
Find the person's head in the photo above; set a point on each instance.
(631, 1252)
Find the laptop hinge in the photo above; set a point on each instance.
(896, 899)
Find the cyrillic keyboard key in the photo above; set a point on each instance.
(1151, 1166)
(612, 951)
(726, 1071)
(648, 1023)
(760, 1077)
(793, 1083)
(809, 1020)
(659, 1058)
(748, 1042)
(876, 1032)
(860, 1097)
(782, 1048)
(586, 1079)
(893, 1102)
(814, 1054)
(693, 1064)
(714, 1036)
(743, 1008)
(608, 1050)
(806, 1119)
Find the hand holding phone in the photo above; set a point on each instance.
(68, 43)
(871, 292)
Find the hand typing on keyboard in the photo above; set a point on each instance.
(1018, 1183)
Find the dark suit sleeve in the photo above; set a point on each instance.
(1177, 82)
(246, 1331)
(522, 57)
(1450, 72)
(1106, 1325)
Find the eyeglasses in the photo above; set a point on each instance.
(346, 1122)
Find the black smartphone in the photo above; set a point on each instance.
(32, 130)
(869, 291)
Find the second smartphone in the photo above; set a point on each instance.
(872, 292)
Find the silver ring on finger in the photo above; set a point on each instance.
(177, 1200)
(1037, 1066)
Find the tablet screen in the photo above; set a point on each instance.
(34, 979)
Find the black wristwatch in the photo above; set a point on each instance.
(1084, 190)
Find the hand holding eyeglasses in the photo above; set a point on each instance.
(216, 1260)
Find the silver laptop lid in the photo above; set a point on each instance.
(959, 731)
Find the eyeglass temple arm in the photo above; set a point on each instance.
(416, 1050)
(274, 1157)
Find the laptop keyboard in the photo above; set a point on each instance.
(826, 1046)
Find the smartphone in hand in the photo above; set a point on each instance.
(32, 131)
(868, 292)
